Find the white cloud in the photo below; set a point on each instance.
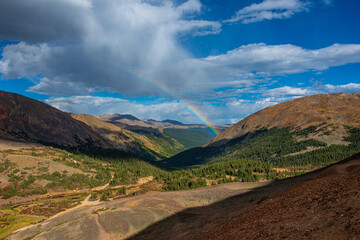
(122, 46)
(234, 109)
(105, 47)
(98, 105)
(288, 91)
(227, 110)
(284, 59)
(269, 9)
(75, 69)
(350, 87)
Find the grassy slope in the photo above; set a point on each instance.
(190, 138)
(164, 145)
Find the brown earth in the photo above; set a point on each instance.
(31, 120)
(336, 110)
(309, 206)
(126, 216)
(325, 205)
(17, 144)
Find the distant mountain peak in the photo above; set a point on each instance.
(172, 122)
(116, 116)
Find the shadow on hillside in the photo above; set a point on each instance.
(192, 221)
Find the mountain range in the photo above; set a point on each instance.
(284, 133)
(26, 119)
(117, 176)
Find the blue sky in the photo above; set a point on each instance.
(224, 58)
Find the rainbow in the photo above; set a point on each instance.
(192, 109)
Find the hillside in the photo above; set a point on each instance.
(39, 182)
(332, 111)
(145, 144)
(311, 130)
(190, 137)
(34, 121)
(25, 120)
(304, 207)
(319, 205)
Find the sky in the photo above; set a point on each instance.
(196, 61)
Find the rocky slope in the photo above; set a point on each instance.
(320, 205)
(336, 110)
(31, 120)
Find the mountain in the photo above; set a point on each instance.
(292, 132)
(147, 145)
(184, 136)
(27, 119)
(23, 119)
(332, 111)
(174, 122)
(130, 122)
(114, 135)
(116, 116)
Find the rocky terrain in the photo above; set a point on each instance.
(311, 206)
(122, 218)
(320, 205)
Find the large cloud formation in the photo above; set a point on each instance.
(84, 46)
(76, 47)
(231, 111)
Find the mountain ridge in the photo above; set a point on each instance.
(31, 120)
(298, 113)
(315, 127)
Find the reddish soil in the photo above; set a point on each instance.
(338, 109)
(327, 207)
(324, 207)
(48, 210)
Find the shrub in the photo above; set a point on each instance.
(122, 191)
(93, 196)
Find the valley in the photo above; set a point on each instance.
(123, 177)
(179, 120)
